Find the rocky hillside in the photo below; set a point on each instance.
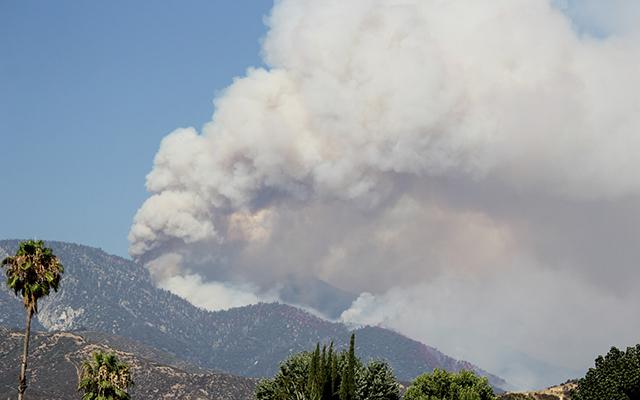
(55, 358)
(560, 392)
(105, 293)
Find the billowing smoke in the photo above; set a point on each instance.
(470, 166)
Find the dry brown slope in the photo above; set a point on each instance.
(55, 357)
(559, 392)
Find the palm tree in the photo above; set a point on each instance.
(104, 377)
(33, 271)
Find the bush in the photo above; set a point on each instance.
(443, 385)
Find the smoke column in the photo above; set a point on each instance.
(469, 167)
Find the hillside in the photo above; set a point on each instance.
(106, 293)
(559, 392)
(55, 358)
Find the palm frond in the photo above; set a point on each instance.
(33, 272)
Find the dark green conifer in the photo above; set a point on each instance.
(348, 381)
(326, 384)
(314, 370)
(334, 372)
(325, 373)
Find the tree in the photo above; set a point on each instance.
(104, 377)
(321, 375)
(290, 382)
(32, 272)
(377, 382)
(314, 378)
(347, 384)
(333, 360)
(616, 376)
(443, 385)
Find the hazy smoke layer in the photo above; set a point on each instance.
(472, 166)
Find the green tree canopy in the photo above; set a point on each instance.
(616, 376)
(443, 385)
(325, 374)
(377, 382)
(104, 377)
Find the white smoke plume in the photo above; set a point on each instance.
(171, 275)
(471, 165)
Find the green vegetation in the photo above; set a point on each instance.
(330, 375)
(616, 376)
(377, 382)
(348, 383)
(32, 272)
(443, 385)
(104, 377)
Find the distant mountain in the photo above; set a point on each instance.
(55, 358)
(106, 293)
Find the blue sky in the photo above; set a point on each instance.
(88, 90)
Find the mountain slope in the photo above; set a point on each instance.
(105, 293)
(559, 392)
(55, 358)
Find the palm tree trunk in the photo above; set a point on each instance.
(25, 351)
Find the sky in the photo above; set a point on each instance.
(467, 169)
(88, 90)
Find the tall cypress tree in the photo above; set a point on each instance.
(352, 367)
(322, 365)
(314, 369)
(325, 376)
(328, 387)
(348, 381)
(344, 386)
(334, 373)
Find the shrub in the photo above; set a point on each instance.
(443, 385)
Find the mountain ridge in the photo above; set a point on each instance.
(106, 293)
